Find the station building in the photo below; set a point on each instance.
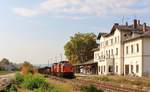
(125, 50)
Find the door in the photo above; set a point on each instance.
(126, 69)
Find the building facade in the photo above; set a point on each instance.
(125, 50)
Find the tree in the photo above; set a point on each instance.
(4, 61)
(27, 68)
(80, 47)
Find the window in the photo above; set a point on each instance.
(131, 48)
(110, 68)
(112, 52)
(109, 53)
(115, 39)
(131, 68)
(118, 39)
(104, 68)
(116, 68)
(99, 68)
(116, 51)
(137, 68)
(102, 54)
(137, 47)
(106, 43)
(126, 49)
(106, 53)
(111, 41)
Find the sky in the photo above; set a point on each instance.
(37, 30)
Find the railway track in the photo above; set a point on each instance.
(77, 83)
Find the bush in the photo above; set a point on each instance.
(90, 88)
(10, 88)
(19, 78)
(48, 88)
(32, 82)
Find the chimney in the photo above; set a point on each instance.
(116, 24)
(126, 24)
(138, 22)
(135, 24)
(144, 27)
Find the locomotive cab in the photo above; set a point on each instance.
(67, 69)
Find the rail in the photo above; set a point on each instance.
(101, 85)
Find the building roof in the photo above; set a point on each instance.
(86, 63)
(132, 32)
(100, 34)
(142, 35)
(89, 62)
(95, 49)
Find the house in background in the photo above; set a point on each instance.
(125, 50)
(5, 65)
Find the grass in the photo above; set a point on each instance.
(61, 87)
(5, 72)
(138, 81)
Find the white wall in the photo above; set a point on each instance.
(134, 58)
(105, 60)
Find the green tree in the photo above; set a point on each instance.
(4, 61)
(80, 47)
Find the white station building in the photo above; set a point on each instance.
(125, 50)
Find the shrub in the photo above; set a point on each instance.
(18, 78)
(13, 88)
(27, 68)
(90, 88)
(36, 81)
(10, 88)
(48, 88)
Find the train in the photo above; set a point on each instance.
(61, 69)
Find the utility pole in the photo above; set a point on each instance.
(48, 63)
(51, 60)
(56, 59)
(60, 57)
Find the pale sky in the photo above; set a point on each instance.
(36, 30)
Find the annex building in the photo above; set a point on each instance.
(125, 50)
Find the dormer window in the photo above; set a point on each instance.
(125, 35)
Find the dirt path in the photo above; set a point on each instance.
(5, 80)
(10, 75)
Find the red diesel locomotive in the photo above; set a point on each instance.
(62, 69)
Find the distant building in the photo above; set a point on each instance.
(125, 50)
(8, 67)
